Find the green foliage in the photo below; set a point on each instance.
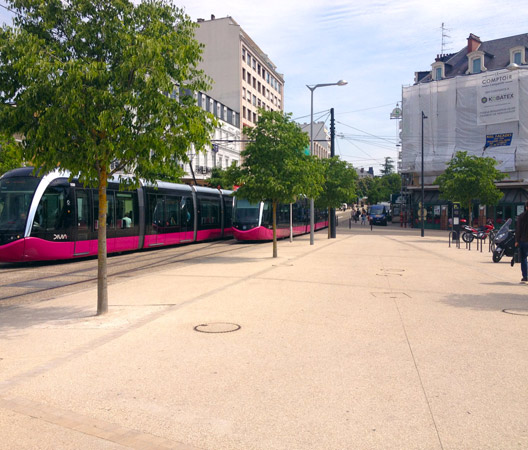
(275, 167)
(469, 178)
(90, 81)
(10, 154)
(340, 180)
(225, 178)
(379, 189)
(388, 166)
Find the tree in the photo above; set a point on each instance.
(10, 154)
(469, 178)
(92, 82)
(275, 167)
(225, 178)
(339, 183)
(388, 166)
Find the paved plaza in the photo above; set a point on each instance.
(378, 339)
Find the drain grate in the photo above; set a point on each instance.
(217, 327)
(516, 311)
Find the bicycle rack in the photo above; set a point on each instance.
(457, 241)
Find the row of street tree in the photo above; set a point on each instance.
(86, 84)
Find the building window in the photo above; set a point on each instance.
(476, 66)
(243, 54)
(476, 62)
(249, 59)
(518, 55)
(438, 72)
(244, 112)
(243, 93)
(254, 100)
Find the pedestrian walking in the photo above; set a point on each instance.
(521, 240)
(363, 217)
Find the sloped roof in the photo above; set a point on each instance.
(496, 56)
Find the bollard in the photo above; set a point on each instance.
(350, 223)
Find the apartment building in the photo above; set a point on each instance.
(225, 142)
(244, 77)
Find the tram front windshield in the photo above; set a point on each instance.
(16, 194)
(246, 215)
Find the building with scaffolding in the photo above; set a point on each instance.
(469, 101)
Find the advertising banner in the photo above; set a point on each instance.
(498, 140)
(498, 98)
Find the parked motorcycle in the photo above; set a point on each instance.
(504, 242)
(471, 233)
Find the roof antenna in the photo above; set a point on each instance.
(445, 36)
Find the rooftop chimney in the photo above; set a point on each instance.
(473, 43)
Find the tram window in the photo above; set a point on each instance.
(186, 212)
(267, 214)
(126, 209)
(172, 212)
(210, 213)
(283, 214)
(15, 197)
(83, 210)
(110, 215)
(156, 210)
(51, 212)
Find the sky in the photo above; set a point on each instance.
(375, 45)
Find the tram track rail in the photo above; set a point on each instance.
(15, 287)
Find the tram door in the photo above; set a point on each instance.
(83, 224)
(187, 219)
(156, 224)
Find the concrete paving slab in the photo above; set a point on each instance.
(370, 340)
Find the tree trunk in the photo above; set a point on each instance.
(102, 279)
(274, 214)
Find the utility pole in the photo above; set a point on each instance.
(332, 154)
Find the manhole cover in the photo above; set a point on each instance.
(516, 311)
(217, 327)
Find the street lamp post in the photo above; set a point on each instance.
(312, 89)
(423, 189)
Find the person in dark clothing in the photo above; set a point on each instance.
(521, 240)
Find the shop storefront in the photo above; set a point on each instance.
(437, 211)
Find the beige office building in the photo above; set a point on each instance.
(244, 78)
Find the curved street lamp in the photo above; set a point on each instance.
(312, 89)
